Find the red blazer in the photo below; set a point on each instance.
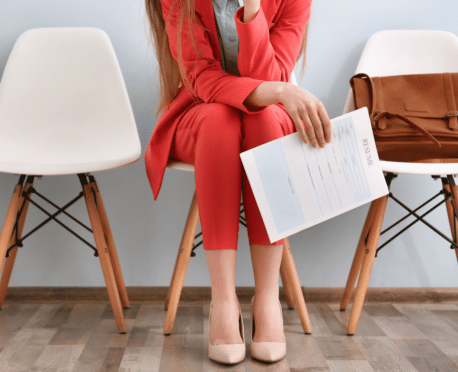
(268, 49)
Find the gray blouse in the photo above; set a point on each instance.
(227, 33)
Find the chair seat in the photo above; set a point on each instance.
(61, 168)
(180, 165)
(431, 169)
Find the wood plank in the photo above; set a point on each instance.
(433, 327)
(77, 324)
(366, 324)
(398, 328)
(319, 325)
(182, 352)
(42, 316)
(383, 354)
(150, 294)
(425, 355)
(58, 358)
(334, 323)
(145, 359)
(113, 359)
(350, 366)
(103, 338)
(339, 348)
(17, 316)
(303, 351)
(24, 348)
(61, 315)
(448, 316)
(433, 364)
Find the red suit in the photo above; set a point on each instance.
(268, 48)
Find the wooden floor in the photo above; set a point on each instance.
(83, 337)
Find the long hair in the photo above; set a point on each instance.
(169, 69)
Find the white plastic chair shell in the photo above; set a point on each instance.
(409, 52)
(184, 166)
(64, 107)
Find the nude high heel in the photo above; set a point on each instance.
(228, 353)
(266, 351)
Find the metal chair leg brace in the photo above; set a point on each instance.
(449, 180)
(31, 190)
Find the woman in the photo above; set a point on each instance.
(224, 89)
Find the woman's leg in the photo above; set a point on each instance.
(209, 136)
(225, 312)
(266, 260)
(259, 128)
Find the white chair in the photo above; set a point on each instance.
(291, 285)
(64, 109)
(398, 53)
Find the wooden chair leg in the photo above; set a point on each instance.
(111, 247)
(286, 286)
(295, 285)
(358, 258)
(9, 261)
(104, 257)
(449, 207)
(172, 282)
(366, 267)
(8, 225)
(181, 265)
(179, 256)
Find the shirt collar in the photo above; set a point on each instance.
(222, 3)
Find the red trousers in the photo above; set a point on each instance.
(212, 136)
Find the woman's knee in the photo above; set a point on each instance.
(219, 129)
(264, 126)
(219, 119)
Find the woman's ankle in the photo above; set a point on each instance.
(224, 296)
(267, 296)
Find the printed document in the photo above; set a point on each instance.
(297, 186)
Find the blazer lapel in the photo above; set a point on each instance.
(204, 9)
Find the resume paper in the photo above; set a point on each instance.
(297, 186)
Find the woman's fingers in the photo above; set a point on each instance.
(300, 128)
(310, 130)
(317, 126)
(308, 114)
(326, 122)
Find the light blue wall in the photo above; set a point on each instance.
(147, 232)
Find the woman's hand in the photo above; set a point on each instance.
(304, 107)
(251, 8)
(301, 107)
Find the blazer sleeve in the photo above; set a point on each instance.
(208, 80)
(271, 55)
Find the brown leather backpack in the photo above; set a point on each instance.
(414, 117)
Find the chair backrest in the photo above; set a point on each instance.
(407, 52)
(63, 99)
